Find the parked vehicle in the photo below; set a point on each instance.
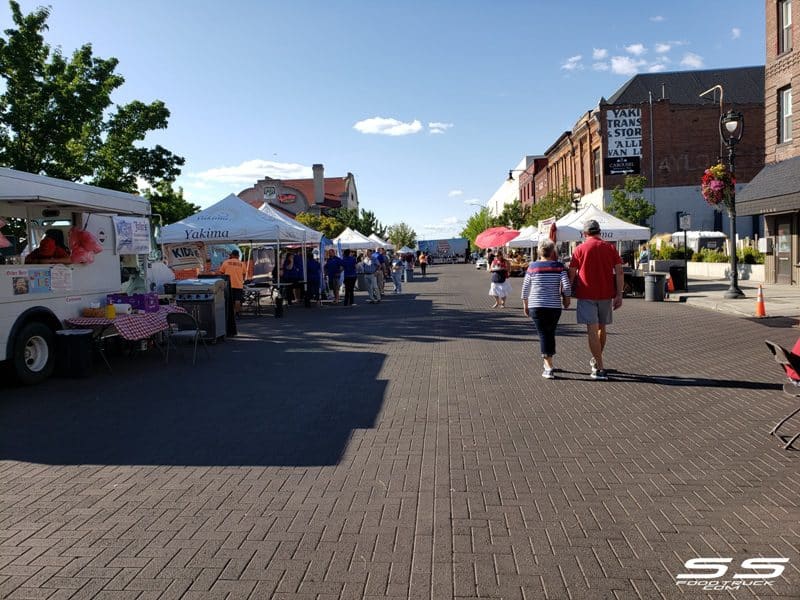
(481, 263)
(37, 293)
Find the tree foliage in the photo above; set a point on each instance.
(326, 225)
(477, 223)
(556, 203)
(629, 204)
(513, 215)
(401, 234)
(57, 117)
(366, 222)
(169, 203)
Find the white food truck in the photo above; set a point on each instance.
(37, 295)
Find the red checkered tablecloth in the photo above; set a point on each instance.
(131, 327)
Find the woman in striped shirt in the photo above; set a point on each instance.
(545, 290)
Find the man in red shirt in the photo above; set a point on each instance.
(595, 273)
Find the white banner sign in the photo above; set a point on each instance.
(624, 132)
(133, 235)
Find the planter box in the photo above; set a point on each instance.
(753, 273)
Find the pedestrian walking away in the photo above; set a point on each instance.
(500, 287)
(370, 267)
(350, 276)
(423, 263)
(545, 290)
(235, 269)
(397, 274)
(596, 275)
(333, 269)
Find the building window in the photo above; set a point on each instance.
(785, 115)
(596, 168)
(784, 26)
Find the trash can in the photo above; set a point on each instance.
(409, 275)
(74, 352)
(654, 286)
(679, 278)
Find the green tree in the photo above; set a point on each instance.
(556, 203)
(57, 117)
(629, 204)
(169, 203)
(326, 225)
(369, 224)
(401, 234)
(513, 215)
(347, 217)
(477, 223)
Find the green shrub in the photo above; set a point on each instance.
(709, 255)
(750, 256)
(670, 253)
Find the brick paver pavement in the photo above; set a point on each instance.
(406, 450)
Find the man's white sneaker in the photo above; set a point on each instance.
(548, 374)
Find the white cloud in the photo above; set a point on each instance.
(600, 66)
(454, 193)
(636, 49)
(573, 63)
(657, 19)
(439, 127)
(663, 48)
(599, 53)
(383, 126)
(656, 68)
(625, 65)
(447, 224)
(691, 60)
(251, 171)
(474, 202)
(736, 33)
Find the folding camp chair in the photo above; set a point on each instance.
(790, 363)
(183, 326)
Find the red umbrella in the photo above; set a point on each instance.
(495, 236)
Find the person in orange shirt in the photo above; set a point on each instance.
(234, 268)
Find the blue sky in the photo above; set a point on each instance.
(428, 103)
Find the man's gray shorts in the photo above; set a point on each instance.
(594, 312)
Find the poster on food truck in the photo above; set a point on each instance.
(186, 256)
(133, 235)
(29, 281)
(60, 278)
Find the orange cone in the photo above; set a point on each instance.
(670, 285)
(761, 311)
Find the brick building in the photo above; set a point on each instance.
(775, 192)
(658, 126)
(293, 196)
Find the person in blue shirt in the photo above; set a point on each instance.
(380, 260)
(349, 262)
(314, 274)
(333, 269)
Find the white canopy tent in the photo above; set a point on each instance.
(312, 235)
(380, 243)
(405, 250)
(233, 220)
(353, 240)
(569, 228)
(527, 238)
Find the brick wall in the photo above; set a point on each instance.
(781, 71)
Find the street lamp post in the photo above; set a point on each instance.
(576, 198)
(731, 127)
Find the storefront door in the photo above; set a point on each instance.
(783, 250)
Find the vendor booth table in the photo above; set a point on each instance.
(133, 328)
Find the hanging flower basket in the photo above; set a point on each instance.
(718, 185)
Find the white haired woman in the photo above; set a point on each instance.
(545, 290)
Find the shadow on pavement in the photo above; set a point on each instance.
(247, 406)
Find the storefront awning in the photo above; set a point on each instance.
(775, 189)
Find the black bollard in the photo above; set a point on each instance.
(278, 306)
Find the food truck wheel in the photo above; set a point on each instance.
(34, 358)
